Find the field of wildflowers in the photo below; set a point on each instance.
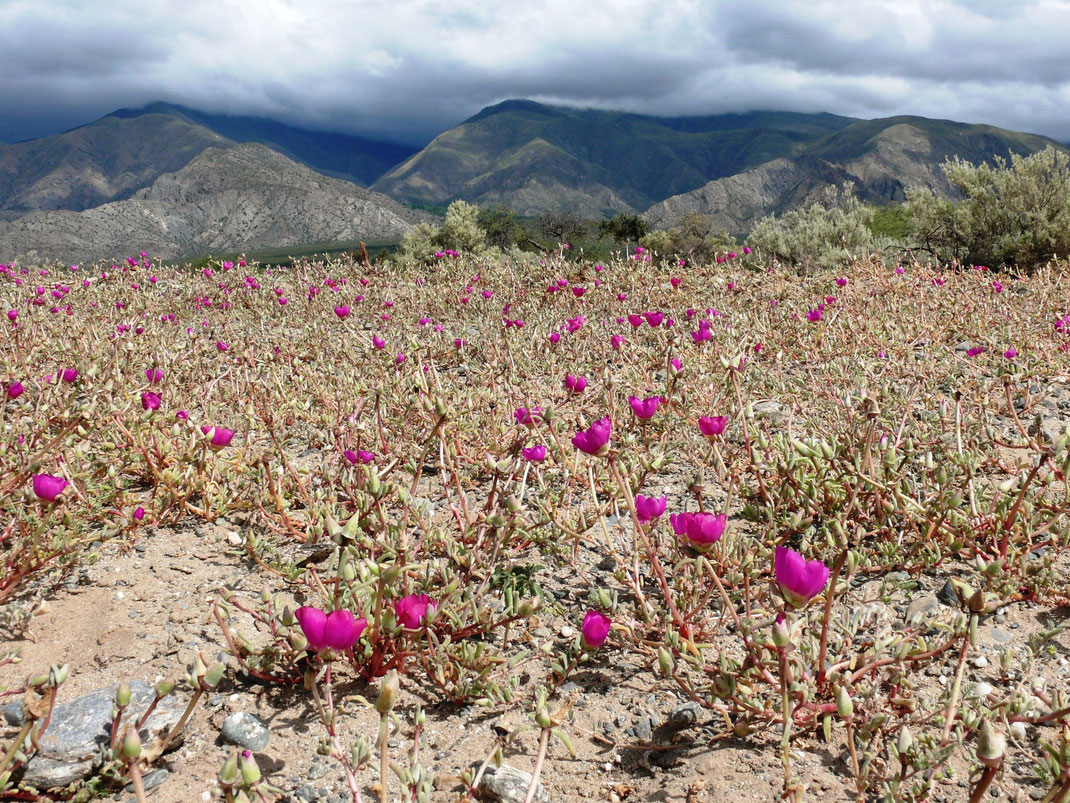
(808, 535)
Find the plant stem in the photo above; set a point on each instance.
(544, 740)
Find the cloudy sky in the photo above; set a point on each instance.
(407, 69)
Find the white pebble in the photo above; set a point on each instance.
(120, 595)
(982, 690)
(1018, 730)
(980, 662)
(567, 632)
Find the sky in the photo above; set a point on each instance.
(405, 70)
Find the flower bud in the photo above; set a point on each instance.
(781, 633)
(131, 744)
(228, 774)
(250, 770)
(665, 662)
(212, 677)
(388, 692)
(990, 745)
(542, 719)
(122, 695)
(844, 707)
(164, 688)
(905, 741)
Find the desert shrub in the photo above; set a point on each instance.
(459, 232)
(694, 237)
(625, 228)
(1010, 214)
(826, 234)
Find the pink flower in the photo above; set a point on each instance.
(799, 580)
(359, 456)
(712, 426)
(975, 351)
(841, 281)
(534, 454)
(400, 358)
(617, 341)
(69, 375)
(702, 530)
(182, 415)
(139, 514)
(47, 487)
(554, 337)
(997, 286)
(378, 342)
(578, 291)
(526, 417)
(649, 507)
(654, 318)
(594, 440)
(150, 401)
(635, 320)
(15, 389)
(154, 375)
(645, 408)
(702, 334)
(575, 384)
(337, 630)
(342, 312)
(413, 610)
(219, 344)
(1011, 353)
(594, 630)
(12, 314)
(221, 437)
(813, 315)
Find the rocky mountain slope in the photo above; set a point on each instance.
(882, 158)
(230, 198)
(535, 157)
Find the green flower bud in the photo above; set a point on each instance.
(228, 774)
(250, 770)
(212, 677)
(904, 743)
(844, 706)
(164, 688)
(131, 744)
(990, 745)
(122, 695)
(388, 692)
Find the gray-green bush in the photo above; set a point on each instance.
(1010, 214)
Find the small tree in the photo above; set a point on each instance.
(501, 226)
(626, 228)
(1011, 214)
(562, 226)
(460, 232)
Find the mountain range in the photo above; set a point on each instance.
(182, 182)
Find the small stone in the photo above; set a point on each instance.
(685, 714)
(643, 729)
(317, 770)
(980, 662)
(1001, 635)
(922, 608)
(152, 780)
(510, 785)
(234, 539)
(947, 595)
(567, 632)
(246, 731)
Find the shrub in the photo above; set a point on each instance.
(694, 237)
(1010, 214)
(460, 232)
(826, 234)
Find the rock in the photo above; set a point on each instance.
(644, 728)
(980, 662)
(921, 608)
(72, 746)
(1001, 635)
(246, 731)
(317, 770)
(509, 785)
(776, 412)
(685, 714)
(151, 780)
(947, 595)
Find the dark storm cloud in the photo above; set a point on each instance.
(411, 68)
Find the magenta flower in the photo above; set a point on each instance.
(702, 334)
(15, 389)
(412, 611)
(594, 630)
(182, 415)
(378, 342)
(47, 487)
(575, 384)
(676, 364)
(799, 580)
(337, 630)
(219, 344)
(12, 314)
(342, 312)
(654, 318)
(702, 530)
(594, 440)
(635, 320)
(150, 401)
(154, 375)
(534, 454)
(139, 514)
(713, 425)
(617, 341)
(813, 315)
(1011, 353)
(69, 375)
(645, 408)
(648, 508)
(975, 351)
(526, 417)
(997, 286)
(221, 437)
(554, 337)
